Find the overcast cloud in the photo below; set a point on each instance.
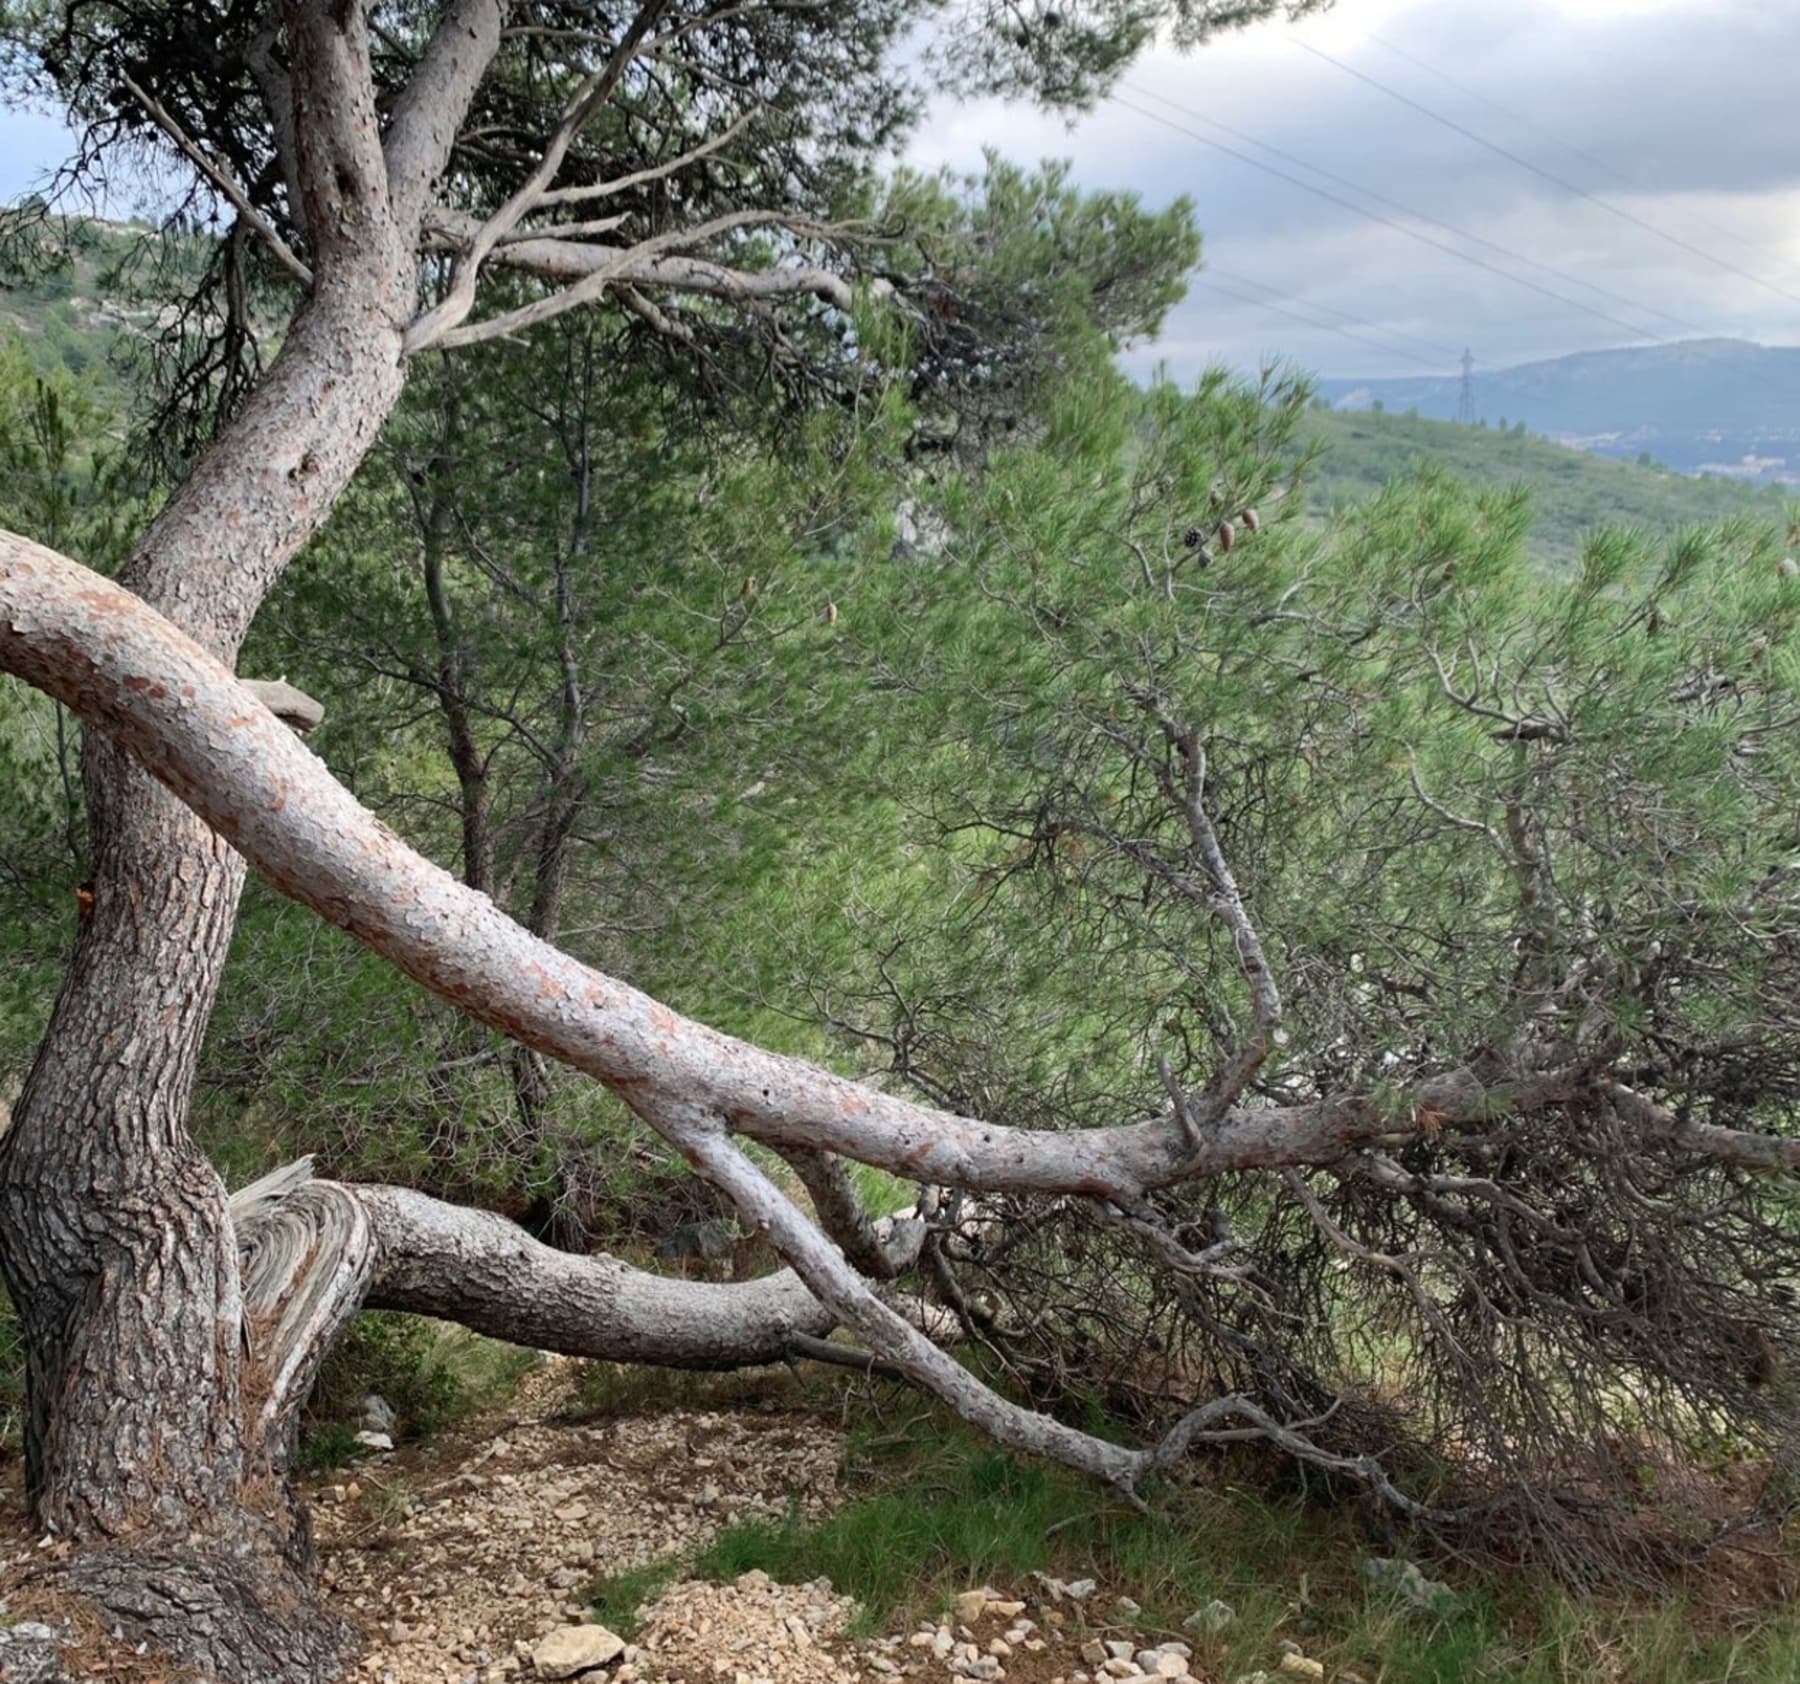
(1692, 99)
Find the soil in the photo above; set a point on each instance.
(457, 1558)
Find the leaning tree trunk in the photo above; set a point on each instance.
(115, 1237)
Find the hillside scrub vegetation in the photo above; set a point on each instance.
(811, 756)
(1572, 492)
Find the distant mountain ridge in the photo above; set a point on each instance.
(1721, 406)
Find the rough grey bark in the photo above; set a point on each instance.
(116, 1246)
(115, 1238)
(393, 1248)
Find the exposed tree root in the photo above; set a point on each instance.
(233, 1611)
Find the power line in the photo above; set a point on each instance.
(1420, 216)
(1574, 151)
(1206, 280)
(1344, 316)
(1632, 328)
(1563, 182)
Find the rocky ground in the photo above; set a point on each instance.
(472, 1560)
(459, 1562)
(470, 1566)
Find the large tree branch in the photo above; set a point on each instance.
(315, 1251)
(905, 1350)
(708, 1145)
(879, 1255)
(571, 263)
(654, 261)
(126, 671)
(438, 322)
(337, 135)
(478, 1269)
(431, 107)
(268, 483)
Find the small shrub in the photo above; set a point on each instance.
(326, 1445)
(429, 1375)
(392, 1355)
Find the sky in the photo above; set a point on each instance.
(1680, 114)
(1677, 116)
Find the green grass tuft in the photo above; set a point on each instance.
(618, 1599)
(327, 1445)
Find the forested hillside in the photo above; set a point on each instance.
(90, 302)
(90, 317)
(1572, 491)
(1718, 403)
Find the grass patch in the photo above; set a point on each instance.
(882, 1194)
(943, 1510)
(327, 1445)
(975, 1514)
(385, 1503)
(618, 1599)
(465, 1373)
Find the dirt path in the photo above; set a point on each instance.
(470, 1562)
(457, 1560)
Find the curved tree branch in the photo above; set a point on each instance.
(479, 1269)
(125, 670)
(222, 179)
(646, 263)
(573, 262)
(314, 1252)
